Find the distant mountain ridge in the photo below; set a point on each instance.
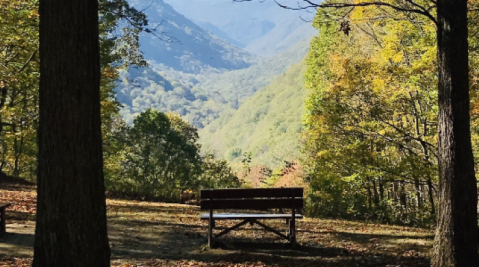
(218, 32)
(193, 48)
(281, 39)
(262, 26)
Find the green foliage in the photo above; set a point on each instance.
(200, 98)
(370, 127)
(267, 125)
(474, 78)
(18, 87)
(246, 161)
(19, 75)
(159, 155)
(216, 173)
(370, 139)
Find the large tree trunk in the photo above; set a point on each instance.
(455, 243)
(71, 227)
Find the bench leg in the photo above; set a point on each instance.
(3, 223)
(211, 225)
(210, 234)
(292, 231)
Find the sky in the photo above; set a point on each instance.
(219, 12)
(260, 27)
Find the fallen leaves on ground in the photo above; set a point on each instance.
(161, 234)
(22, 201)
(17, 262)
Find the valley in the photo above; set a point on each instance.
(213, 69)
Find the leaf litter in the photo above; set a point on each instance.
(145, 233)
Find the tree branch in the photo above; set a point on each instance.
(310, 4)
(28, 61)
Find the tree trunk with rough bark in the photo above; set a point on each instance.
(71, 228)
(455, 242)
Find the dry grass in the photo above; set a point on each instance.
(160, 234)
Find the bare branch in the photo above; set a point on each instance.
(28, 61)
(310, 4)
(372, 35)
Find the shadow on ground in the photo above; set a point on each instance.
(159, 234)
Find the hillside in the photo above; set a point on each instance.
(218, 32)
(268, 124)
(199, 75)
(191, 49)
(200, 98)
(235, 86)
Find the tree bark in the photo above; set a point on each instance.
(71, 228)
(455, 242)
(431, 194)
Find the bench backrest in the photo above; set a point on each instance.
(258, 198)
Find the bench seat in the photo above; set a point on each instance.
(245, 216)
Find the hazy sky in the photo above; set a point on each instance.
(219, 12)
(259, 27)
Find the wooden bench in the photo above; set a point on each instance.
(251, 199)
(3, 223)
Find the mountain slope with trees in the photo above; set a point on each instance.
(371, 126)
(267, 125)
(183, 45)
(200, 98)
(201, 76)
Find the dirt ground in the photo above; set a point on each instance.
(161, 234)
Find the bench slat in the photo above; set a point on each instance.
(249, 204)
(244, 216)
(236, 193)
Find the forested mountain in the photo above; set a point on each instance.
(208, 79)
(267, 125)
(183, 45)
(218, 32)
(198, 75)
(236, 85)
(199, 98)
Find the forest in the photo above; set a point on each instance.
(377, 121)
